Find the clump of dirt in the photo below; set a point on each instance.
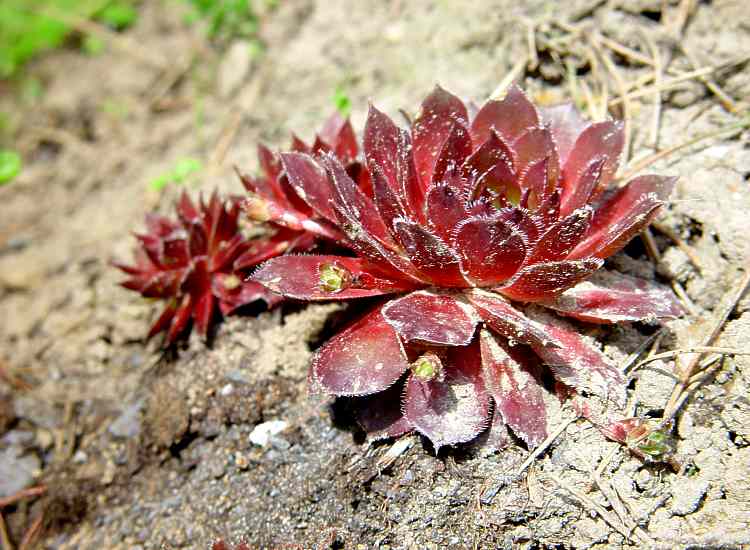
(141, 449)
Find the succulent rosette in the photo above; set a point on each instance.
(273, 198)
(468, 222)
(199, 263)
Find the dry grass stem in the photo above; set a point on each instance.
(650, 159)
(512, 75)
(546, 443)
(684, 298)
(689, 379)
(633, 357)
(592, 506)
(693, 349)
(679, 243)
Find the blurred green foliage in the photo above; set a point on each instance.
(226, 19)
(29, 27)
(178, 174)
(10, 165)
(341, 101)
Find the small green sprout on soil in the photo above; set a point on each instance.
(341, 101)
(182, 170)
(10, 166)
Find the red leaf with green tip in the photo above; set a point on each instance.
(365, 358)
(440, 113)
(491, 249)
(510, 117)
(539, 281)
(614, 298)
(623, 214)
(435, 318)
(455, 409)
(299, 277)
(511, 378)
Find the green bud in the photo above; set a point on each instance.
(427, 367)
(231, 282)
(334, 278)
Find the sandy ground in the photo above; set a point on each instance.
(141, 450)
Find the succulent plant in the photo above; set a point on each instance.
(201, 260)
(468, 227)
(275, 198)
(198, 263)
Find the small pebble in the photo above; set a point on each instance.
(262, 433)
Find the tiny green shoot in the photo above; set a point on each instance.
(180, 172)
(341, 101)
(10, 165)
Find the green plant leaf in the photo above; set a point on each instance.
(341, 101)
(92, 45)
(118, 15)
(178, 174)
(10, 165)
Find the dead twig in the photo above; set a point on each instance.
(546, 443)
(692, 375)
(592, 506)
(511, 77)
(730, 129)
(693, 349)
(673, 82)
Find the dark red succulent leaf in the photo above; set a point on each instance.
(472, 221)
(200, 262)
(512, 378)
(453, 408)
(366, 358)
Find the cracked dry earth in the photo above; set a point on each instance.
(142, 451)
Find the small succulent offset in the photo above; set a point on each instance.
(202, 260)
(276, 199)
(470, 226)
(199, 262)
